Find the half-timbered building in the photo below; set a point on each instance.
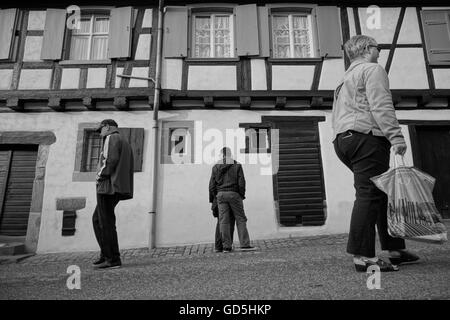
(257, 76)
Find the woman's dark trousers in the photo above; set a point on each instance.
(367, 156)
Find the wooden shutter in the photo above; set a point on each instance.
(55, 25)
(135, 137)
(329, 31)
(299, 181)
(247, 42)
(436, 31)
(263, 31)
(17, 199)
(7, 29)
(175, 32)
(119, 41)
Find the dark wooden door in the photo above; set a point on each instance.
(298, 184)
(432, 155)
(17, 172)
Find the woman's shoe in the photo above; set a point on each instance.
(404, 257)
(382, 265)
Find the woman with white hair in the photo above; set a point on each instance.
(365, 127)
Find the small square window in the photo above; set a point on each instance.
(177, 144)
(92, 145)
(177, 141)
(212, 35)
(292, 35)
(257, 140)
(90, 42)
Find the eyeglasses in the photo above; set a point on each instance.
(377, 47)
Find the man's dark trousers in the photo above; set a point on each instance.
(104, 221)
(367, 156)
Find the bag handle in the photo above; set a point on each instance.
(397, 162)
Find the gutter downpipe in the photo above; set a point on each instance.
(155, 129)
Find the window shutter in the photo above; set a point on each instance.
(119, 40)
(7, 28)
(329, 31)
(247, 42)
(437, 39)
(264, 32)
(135, 137)
(175, 32)
(55, 25)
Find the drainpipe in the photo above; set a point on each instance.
(155, 129)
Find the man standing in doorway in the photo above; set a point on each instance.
(114, 182)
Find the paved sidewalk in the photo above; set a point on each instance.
(183, 251)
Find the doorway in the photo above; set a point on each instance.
(431, 153)
(17, 175)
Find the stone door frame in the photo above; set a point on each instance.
(43, 139)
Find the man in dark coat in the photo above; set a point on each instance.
(227, 184)
(114, 183)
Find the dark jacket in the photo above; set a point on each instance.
(115, 169)
(226, 177)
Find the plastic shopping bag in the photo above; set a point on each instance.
(412, 213)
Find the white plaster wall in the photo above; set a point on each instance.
(70, 78)
(132, 215)
(33, 46)
(36, 20)
(96, 78)
(258, 74)
(119, 70)
(408, 69)
(35, 78)
(332, 72)
(212, 78)
(292, 77)
(148, 18)
(442, 78)
(389, 19)
(172, 71)
(5, 79)
(143, 47)
(382, 58)
(410, 32)
(139, 72)
(351, 20)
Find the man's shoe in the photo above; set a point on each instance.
(404, 257)
(248, 248)
(110, 265)
(382, 265)
(99, 262)
(227, 250)
(218, 250)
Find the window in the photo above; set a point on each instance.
(177, 145)
(90, 42)
(292, 35)
(92, 146)
(89, 147)
(257, 138)
(212, 35)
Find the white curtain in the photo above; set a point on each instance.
(301, 37)
(90, 42)
(202, 40)
(281, 46)
(99, 47)
(79, 47)
(222, 37)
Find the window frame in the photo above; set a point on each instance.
(69, 34)
(16, 37)
(86, 156)
(248, 145)
(171, 126)
(211, 11)
(292, 11)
